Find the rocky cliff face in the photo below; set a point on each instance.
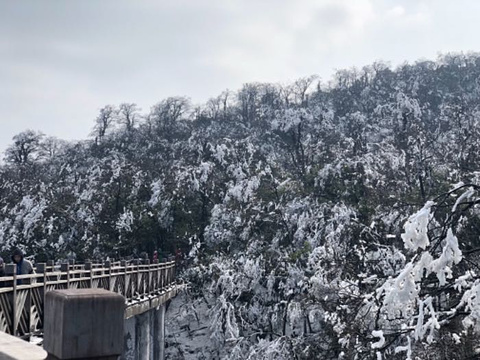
(188, 335)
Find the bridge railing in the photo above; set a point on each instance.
(22, 296)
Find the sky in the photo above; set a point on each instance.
(63, 60)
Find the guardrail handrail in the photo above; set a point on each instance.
(22, 296)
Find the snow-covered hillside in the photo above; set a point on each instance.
(312, 220)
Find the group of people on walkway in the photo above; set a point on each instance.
(23, 266)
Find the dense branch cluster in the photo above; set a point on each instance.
(335, 221)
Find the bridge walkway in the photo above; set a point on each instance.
(143, 285)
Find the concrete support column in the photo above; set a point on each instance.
(129, 349)
(143, 336)
(159, 333)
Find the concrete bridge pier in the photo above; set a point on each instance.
(159, 333)
(145, 335)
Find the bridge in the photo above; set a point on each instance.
(145, 286)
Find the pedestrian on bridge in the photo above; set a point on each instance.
(23, 265)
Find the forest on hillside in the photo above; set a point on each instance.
(319, 220)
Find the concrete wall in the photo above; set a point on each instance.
(13, 348)
(144, 337)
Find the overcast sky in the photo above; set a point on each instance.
(62, 60)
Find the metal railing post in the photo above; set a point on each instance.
(11, 269)
(88, 266)
(123, 264)
(146, 282)
(50, 268)
(155, 281)
(64, 268)
(71, 266)
(137, 269)
(164, 275)
(167, 274)
(108, 265)
(41, 268)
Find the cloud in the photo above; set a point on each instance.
(396, 11)
(269, 41)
